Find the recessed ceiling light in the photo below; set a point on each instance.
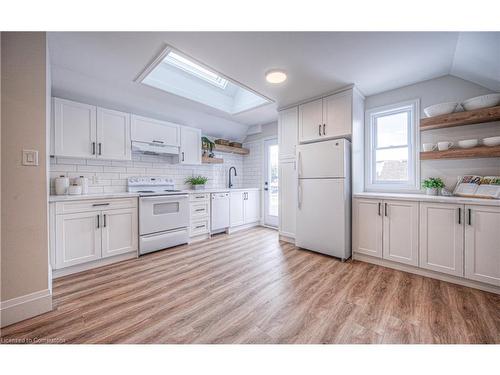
(276, 76)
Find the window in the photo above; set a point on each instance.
(391, 147)
(175, 73)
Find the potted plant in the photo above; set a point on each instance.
(432, 185)
(197, 182)
(207, 145)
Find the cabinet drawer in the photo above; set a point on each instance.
(197, 197)
(199, 210)
(93, 205)
(199, 227)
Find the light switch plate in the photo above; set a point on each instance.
(30, 157)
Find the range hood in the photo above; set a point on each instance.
(154, 149)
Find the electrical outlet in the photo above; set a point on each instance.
(30, 157)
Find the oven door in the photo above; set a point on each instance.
(162, 213)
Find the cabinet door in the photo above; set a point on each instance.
(287, 198)
(119, 231)
(337, 114)
(190, 152)
(311, 121)
(113, 135)
(236, 216)
(251, 206)
(74, 129)
(155, 131)
(400, 239)
(482, 244)
(78, 238)
(287, 132)
(442, 238)
(367, 227)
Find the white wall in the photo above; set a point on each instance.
(439, 90)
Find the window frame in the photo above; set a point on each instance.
(413, 182)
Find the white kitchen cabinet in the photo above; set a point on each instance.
(367, 227)
(190, 150)
(119, 231)
(482, 244)
(74, 129)
(251, 206)
(199, 215)
(78, 238)
(326, 118)
(149, 130)
(311, 121)
(113, 135)
(337, 115)
(236, 210)
(287, 132)
(287, 198)
(400, 233)
(442, 238)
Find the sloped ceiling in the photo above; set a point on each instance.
(100, 68)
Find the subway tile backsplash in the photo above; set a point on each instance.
(106, 176)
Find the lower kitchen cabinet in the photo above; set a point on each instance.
(482, 244)
(367, 227)
(119, 232)
(288, 197)
(236, 211)
(442, 238)
(244, 207)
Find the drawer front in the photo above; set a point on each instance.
(200, 210)
(95, 205)
(198, 197)
(199, 227)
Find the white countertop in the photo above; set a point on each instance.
(66, 198)
(429, 198)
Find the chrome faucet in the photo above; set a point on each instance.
(235, 174)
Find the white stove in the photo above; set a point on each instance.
(163, 213)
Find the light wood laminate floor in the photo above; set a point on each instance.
(250, 288)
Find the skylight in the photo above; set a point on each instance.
(180, 75)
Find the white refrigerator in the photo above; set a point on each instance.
(324, 198)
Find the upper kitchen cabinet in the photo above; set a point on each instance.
(328, 117)
(287, 132)
(74, 129)
(149, 130)
(190, 150)
(86, 131)
(113, 135)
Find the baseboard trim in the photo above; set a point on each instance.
(20, 308)
(426, 273)
(287, 238)
(243, 227)
(97, 263)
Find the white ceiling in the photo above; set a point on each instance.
(100, 68)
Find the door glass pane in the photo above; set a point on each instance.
(392, 130)
(273, 180)
(165, 208)
(392, 164)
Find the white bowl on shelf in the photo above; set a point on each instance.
(440, 109)
(491, 141)
(483, 101)
(468, 143)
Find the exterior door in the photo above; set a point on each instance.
(442, 238)
(113, 135)
(251, 206)
(271, 183)
(78, 238)
(288, 198)
(367, 227)
(119, 231)
(74, 129)
(311, 121)
(400, 239)
(482, 244)
(236, 216)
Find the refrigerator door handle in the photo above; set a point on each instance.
(299, 195)
(298, 165)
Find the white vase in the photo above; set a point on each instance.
(431, 191)
(198, 187)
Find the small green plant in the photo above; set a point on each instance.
(196, 180)
(433, 183)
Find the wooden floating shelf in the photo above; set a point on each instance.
(463, 153)
(207, 160)
(234, 150)
(477, 116)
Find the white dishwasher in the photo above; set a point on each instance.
(219, 212)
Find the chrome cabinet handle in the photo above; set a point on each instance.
(385, 209)
(379, 206)
(470, 214)
(324, 132)
(93, 148)
(319, 129)
(200, 209)
(100, 148)
(182, 155)
(104, 219)
(199, 226)
(155, 141)
(200, 196)
(459, 215)
(100, 204)
(98, 226)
